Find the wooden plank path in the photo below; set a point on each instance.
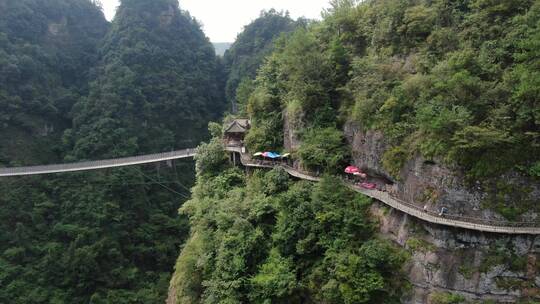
(406, 207)
(449, 220)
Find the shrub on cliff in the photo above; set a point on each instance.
(323, 149)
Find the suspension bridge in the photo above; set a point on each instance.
(98, 164)
(477, 224)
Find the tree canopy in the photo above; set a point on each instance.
(454, 81)
(47, 49)
(156, 86)
(247, 53)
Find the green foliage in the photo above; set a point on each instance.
(275, 279)
(47, 49)
(535, 170)
(419, 245)
(266, 123)
(394, 159)
(215, 129)
(304, 71)
(297, 86)
(510, 283)
(499, 254)
(322, 244)
(417, 23)
(359, 278)
(157, 85)
(188, 267)
(489, 142)
(243, 92)
(466, 271)
(109, 237)
(74, 87)
(211, 158)
(323, 149)
(247, 53)
(452, 80)
(447, 298)
(498, 195)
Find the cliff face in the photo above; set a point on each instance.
(476, 266)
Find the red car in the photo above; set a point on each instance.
(369, 186)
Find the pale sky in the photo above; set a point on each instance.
(223, 19)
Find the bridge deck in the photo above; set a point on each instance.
(98, 164)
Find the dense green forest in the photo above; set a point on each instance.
(74, 87)
(264, 238)
(156, 88)
(455, 81)
(249, 50)
(47, 49)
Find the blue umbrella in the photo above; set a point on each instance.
(271, 155)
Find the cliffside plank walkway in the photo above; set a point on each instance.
(414, 210)
(502, 227)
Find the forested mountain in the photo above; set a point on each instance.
(76, 87)
(265, 238)
(247, 53)
(437, 100)
(47, 49)
(156, 86)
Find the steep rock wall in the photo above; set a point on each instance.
(432, 183)
(477, 266)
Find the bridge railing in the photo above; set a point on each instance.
(99, 164)
(461, 218)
